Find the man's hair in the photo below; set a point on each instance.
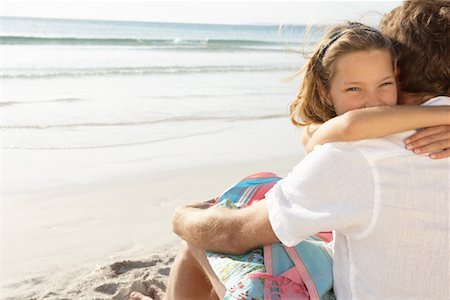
(420, 33)
(311, 104)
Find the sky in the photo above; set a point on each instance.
(213, 12)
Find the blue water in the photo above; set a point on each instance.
(81, 84)
(55, 31)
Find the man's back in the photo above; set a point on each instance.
(389, 210)
(404, 250)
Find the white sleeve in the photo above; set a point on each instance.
(330, 189)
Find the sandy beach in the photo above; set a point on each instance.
(119, 123)
(102, 238)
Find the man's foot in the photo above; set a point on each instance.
(155, 294)
(139, 296)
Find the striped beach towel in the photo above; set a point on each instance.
(250, 189)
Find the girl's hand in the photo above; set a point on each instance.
(434, 140)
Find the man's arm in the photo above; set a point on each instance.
(225, 230)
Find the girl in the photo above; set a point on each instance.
(341, 77)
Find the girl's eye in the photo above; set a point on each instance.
(352, 89)
(387, 83)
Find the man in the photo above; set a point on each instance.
(389, 209)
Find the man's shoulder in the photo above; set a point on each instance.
(439, 100)
(370, 149)
(356, 147)
(337, 152)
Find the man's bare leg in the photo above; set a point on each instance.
(155, 294)
(191, 276)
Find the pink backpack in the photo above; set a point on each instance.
(302, 272)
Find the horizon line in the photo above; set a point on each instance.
(269, 24)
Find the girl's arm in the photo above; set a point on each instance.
(307, 134)
(374, 122)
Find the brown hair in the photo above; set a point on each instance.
(420, 31)
(311, 105)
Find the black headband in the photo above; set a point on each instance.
(336, 35)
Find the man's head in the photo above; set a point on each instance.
(420, 30)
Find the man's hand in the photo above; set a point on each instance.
(433, 140)
(203, 204)
(182, 215)
(203, 227)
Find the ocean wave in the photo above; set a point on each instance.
(82, 72)
(67, 100)
(152, 122)
(148, 97)
(113, 145)
(176, 42)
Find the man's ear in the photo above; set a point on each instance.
(396, 72)
(396, 77)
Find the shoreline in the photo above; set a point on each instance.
(91, 244)
(55, 238)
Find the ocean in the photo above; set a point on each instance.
(107, 126)
(85, 100)
(81, 84)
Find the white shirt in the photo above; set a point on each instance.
(389, 210)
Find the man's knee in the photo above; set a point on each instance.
(193, 251)
(188, 279)
(186, 252)
(189, 257)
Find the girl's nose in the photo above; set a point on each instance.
(373, 100)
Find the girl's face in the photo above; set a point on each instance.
(363, 79)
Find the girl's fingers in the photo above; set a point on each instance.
(431, 143)
(433, 140)
(427, 132)
(428, 136)
(433, 146)
(442, 154)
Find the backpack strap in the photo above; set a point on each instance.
(268, 261)
(312, 257)
(307, 280)
(282, 279)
